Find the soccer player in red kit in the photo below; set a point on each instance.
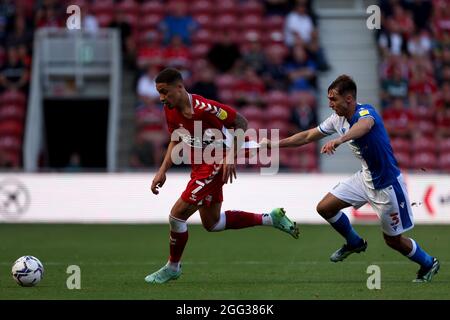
(204, 190)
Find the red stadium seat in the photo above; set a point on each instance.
(227, 7)
(424, 144)
(202, 6)
(152, 7)
(424, 113)
(444, 162)
(401, 145)
(251, 7)
(252, 112)
(425, 127)
(227, 96)
(278, 112)
(282, 126)
(199, 51)
(256, 124)
(11, 111)
(103, 6)
(277, 97)
(403, 159)
(11, 127)
(227, 22)
(225, 81)
(150, 20)
(251, 22)
(104, 19)
(274, 23)
(444, 145)
(302, 97)
(129, 6)
(205, 21)
(10, 143)
(13, 97)
(203, 36)
(425, 161)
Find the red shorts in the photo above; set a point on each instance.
(205, 185)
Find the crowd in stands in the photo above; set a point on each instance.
(260, 57)
(414, 46)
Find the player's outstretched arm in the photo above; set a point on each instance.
(160, 177)
(296, 140)
(360, 128)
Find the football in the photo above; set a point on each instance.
(27, 271)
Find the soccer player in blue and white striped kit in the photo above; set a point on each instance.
(379, 183)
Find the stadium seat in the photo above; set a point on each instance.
(205, 21)
(227, 22)
(13, 97)
(225, 81)
(251, 7)
(226, 96)
(227, 7)
(403, 159)
(202, 6)
(277, 97)
(401, 145)
(11, 127)
(129, 7)
(424, 161)
(150, 20)
(252, 112)
(251, 22)
(444, 162)
(203, 36)
(278, 112)
(444, 145)
(426, 127)
(10, 143)
(102, 7)
(152, 7)
(302, 97)
(274, 23)
(282, 126)
(424, 144)
(199, 51)
(12, 111)
(424, 113)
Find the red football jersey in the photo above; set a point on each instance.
(211, 114)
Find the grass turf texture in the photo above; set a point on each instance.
(257, 263)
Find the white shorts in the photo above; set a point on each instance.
(391, 203)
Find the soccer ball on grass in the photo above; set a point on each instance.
(27, 271)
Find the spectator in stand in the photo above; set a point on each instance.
(179, 23)
(419, 44)
(254, 55)
(177, 54)
(274, 72)
(48, 17)
(20, 35)
(146, 89)
(316, 52)
(395, 86)
(90, 23)
(143, 153)
(303, 116)
(13, 74)
(398, 120)
(421, 12)
(224, 54)
(249, 88)
(205, 85)
(278, 7)
(422, 88)
(391, 40)
(299, 25)
(151, 53)
(128, 47)
(301, 70)
(403, 20)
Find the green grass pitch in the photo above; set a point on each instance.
(257, 263)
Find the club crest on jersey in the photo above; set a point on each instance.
(363, 112)
(221, 114)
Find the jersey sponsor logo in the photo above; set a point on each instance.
(363, 112)
(395, 221)
(221, 114)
